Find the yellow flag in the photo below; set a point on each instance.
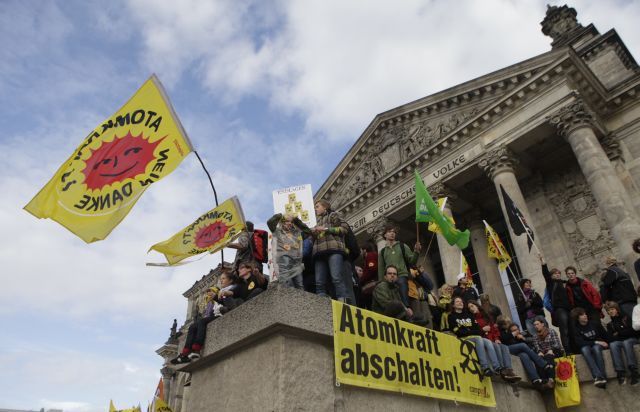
(433, 226)
(99, 183)
(209, 233)
(567, 388)
(495, 248)
(161, 406)
(111, 407)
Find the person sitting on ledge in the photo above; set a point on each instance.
(623, 337)
(546, 342)
(251, 282)
(219, 301)
(386, 296)
(591, 338)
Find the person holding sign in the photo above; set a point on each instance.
(287, 233)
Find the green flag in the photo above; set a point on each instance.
(428, 211)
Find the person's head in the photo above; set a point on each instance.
(555, 273)
(580, 315)
(525, 284)
(245, 270)
(390, 233)
(473, 307)
(462, 280)
(610, 261)
(249, 226)
(359, 271)
(322, 206)
(514, 329)
(226, 279)
(485, 299)
(446, 290)
(287, 221)
(391, 274)
(636, 245)
(571, 273)
(612, 308)
(457, 304)
(540, 323)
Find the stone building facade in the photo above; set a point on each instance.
(560, 132)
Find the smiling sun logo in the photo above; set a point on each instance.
(123, 158)
(211, 234)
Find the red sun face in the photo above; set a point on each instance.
(211, 234)
(123, 158)
(564, 370)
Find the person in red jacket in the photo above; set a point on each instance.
(582, 294)
(369, 277)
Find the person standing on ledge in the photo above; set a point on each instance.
(399, 255)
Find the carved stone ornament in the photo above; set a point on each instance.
(560, 23)
(439, 190)
(611, 146)
(572, 117)
(376, 228)
(497, 160)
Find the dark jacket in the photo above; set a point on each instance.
(535, 305)
(617, 286)
(464, 324)
(620, 328)
(590, 293)
(587, 335)
(467, 294)
(383, 294)
(508, 339)
(559, 298)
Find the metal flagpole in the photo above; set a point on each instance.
(215, 194)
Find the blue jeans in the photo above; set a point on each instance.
(486, 352)
(593, 357)
(616, 354)
(330, 265)
(504, 357)
(403, 286)
(347, 276)
(561, 319)
(530, 360)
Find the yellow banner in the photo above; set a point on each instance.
(375, 351)
(209, 233)
(567, 387)
(99, 183)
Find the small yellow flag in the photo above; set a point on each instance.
(209, 233)
(99, 183)
(161, 406)
(495, 248)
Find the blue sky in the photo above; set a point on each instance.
(272, 94)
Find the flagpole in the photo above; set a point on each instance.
(528, 234)
(215, 194)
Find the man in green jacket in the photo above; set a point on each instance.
(386, 296)
(399, 255)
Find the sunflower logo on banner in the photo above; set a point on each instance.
(96, 187)
(209, 233)
(567, 388)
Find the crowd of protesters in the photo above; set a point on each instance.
(387, 279)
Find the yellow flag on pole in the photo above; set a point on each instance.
(99, 183)
(433, 227)
(495, 248)
(161, 406)
(208, 233)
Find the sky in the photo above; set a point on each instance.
(271, 93)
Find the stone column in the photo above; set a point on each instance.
(578, 125)
(487, 267)
(449, 255)
(499, 164)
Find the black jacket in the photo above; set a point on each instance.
(559, 298)
(536, 305)
(464, 324)
(620, 328)
(617, 286)
(587, 335)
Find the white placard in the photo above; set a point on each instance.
(297, 200)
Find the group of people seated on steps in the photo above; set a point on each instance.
(385, 278)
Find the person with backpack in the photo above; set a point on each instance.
(399, 255)
(616, 286)
(288, 231)
(329, 250)
(251, 247)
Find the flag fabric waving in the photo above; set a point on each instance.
(112, 408)
(160, 390)
(161, 406)
(96, 187)
(427, 211)
(208, 233)
(516, 218)
(442, 202)
(495, 247)
(465, 268)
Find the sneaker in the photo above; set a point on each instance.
(508, 375)
(600, 383)
(180, 360)
(194, 356)
(621, 377)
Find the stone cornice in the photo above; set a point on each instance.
(498, 160)
(440, 190)
(573, 116)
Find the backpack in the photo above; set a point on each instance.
(259, 245)
(351, 243)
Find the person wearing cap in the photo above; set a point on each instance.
(465, 289)
(399, 255)
(616, 286)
